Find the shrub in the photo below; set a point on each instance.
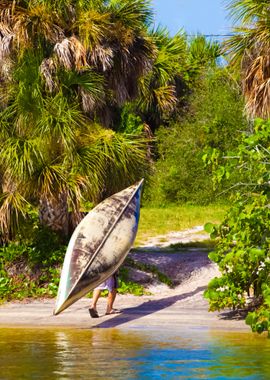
(212, 121)
(242, 251)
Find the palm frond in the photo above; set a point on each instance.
(238, 45)
(26, 86)
(6, 70)
(48, 70)
(90, 86)
(132, 13)
(6, 38)
(76, 185)
(129, 65)
(12, 206)
(247, 11)
(257, 87)
(51, 180)
(165, 98)
(203, 52)
(126, 158)
(101, 56)
(157, 89)
(20, 156)
(175, 47)
(36, 22)
(89, 101)
(249, 49)
(88, 161)
(93, 27)
(59, 121)
(71, 53)
(133, 49)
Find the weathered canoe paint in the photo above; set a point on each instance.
(99, 245)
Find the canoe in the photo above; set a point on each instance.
(99, 245)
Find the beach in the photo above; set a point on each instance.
(182, 306)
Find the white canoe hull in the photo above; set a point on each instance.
(99, 245)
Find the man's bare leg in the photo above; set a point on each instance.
(93, 308)
(96, 295)
(110, 300)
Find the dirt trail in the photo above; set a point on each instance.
(184, 266)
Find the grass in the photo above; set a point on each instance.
(205, 244)
(160, 221)
(162, 277)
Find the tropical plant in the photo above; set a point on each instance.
(61, 160)
(64, 67)
(158, 92)
(208, 125)
(202, 55)
(248, 49)
(242, 251)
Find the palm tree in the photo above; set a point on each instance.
(63, 65)
(110, 37)
(158, 89)
(202, 55)
(249, 49)
(54, 157)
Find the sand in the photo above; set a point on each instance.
(182, 306)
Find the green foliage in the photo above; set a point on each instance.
(129, 287)
(179, 173)
(130, 122)
(243, 238)
(259, 320)
(162, 277)
(202, 54)
(204, 244)
(67, 71)
(158, 89)
(210, 123)
(31, 267)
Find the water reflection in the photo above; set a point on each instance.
(111, 353)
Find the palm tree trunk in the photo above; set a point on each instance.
(53, 213)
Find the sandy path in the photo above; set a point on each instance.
(180, 307)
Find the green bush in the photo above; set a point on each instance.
(242, 251)
(31, 267)
(212, 121)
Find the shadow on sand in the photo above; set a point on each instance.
(234, 315)
(146, 308)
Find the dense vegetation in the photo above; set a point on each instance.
(242, 253)
(243, 238)
(213, 122)
(93, 98)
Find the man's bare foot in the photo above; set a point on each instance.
(113, 311)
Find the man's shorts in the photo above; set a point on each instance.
(110, 284)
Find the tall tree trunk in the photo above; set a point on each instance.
(53, 213)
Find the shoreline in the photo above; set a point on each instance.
(179, 308)
(175, 312)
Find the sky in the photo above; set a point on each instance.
(203, 16)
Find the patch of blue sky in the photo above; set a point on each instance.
(194, 16)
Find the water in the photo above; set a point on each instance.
(127, 354)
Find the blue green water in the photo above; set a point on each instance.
(127, 354)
